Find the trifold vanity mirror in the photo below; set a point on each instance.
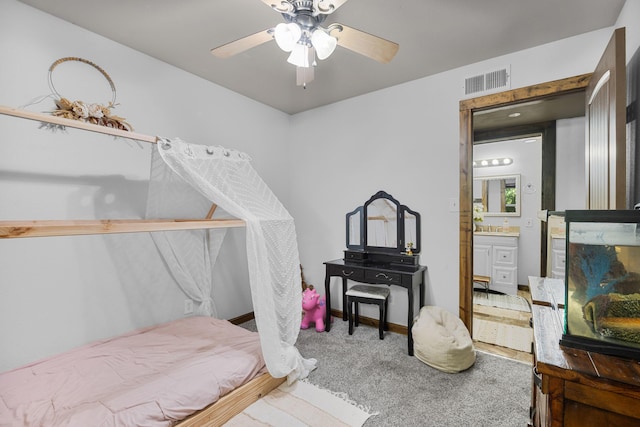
(498, 195)
(384, 225)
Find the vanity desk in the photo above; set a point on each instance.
(381, 250)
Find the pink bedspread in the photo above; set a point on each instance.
(148, 377)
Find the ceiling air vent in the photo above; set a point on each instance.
(492, 81)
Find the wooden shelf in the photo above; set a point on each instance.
(46, 118)
(47, 228)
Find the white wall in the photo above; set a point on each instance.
(527, 162)
(60, 292)
(628, 18)
(404, 140)
(571, 192)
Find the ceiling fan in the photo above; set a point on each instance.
(303, 36)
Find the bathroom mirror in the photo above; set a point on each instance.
(499, 195)
(382, 224)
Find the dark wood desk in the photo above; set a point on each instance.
(578, 388)
(377, 273)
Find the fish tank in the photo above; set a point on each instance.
(602, 282)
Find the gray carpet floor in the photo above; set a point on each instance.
(381, 376)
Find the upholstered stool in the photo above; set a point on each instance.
(369, 295)
(442, 341)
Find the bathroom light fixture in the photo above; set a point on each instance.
(498, 161)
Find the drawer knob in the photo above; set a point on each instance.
(347, 274)
(383, 275)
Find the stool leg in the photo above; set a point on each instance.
(386, 310)
(381, 321)
(350, 315)
(357, 304)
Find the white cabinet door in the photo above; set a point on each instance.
(557, 258)
(497, 257)
(482, 259)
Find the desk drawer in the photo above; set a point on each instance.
(505, 256)
(346, 271)
(383, 277)
(357, 256)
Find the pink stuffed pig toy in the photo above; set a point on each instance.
(315, 309)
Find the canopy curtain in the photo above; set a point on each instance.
(188, 255)
(225, 177)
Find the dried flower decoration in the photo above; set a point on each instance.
(97, 114)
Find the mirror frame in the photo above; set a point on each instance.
(360, 211)
(518, 194)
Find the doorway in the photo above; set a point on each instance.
(467, 134)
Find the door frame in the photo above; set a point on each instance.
(467, 108)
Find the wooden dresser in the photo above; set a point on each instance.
(574, 387)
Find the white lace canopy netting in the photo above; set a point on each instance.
(226, 178)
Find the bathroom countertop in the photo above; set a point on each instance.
(496, 233)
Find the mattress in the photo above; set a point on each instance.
(149, 377)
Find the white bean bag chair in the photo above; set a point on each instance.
(441, 340)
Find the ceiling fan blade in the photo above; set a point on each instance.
(329, 6)
(363, 43)
(282, 6)
(245, 43)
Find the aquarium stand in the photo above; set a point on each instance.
(570, 341)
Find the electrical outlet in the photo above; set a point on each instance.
(453, 205)
(188, 306)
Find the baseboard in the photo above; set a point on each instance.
(393, 327)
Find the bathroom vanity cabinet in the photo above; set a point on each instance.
(495, 254)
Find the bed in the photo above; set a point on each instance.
(154, 376)
(44, 394)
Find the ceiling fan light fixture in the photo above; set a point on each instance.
(287, 35)
(324, 43)
(302, 56)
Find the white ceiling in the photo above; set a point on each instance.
(434, 36)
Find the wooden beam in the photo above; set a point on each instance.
(47, 228)
(211, 211)
(233, 403)
(61, 121)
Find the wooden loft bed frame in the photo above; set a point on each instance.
(227, 406)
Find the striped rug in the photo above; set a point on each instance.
(509, 302)
(298, 405)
